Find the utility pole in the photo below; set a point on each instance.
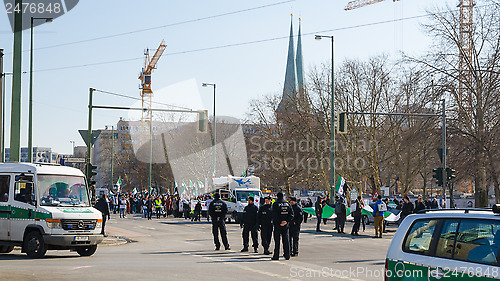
(2, 100)
(112, 152)
(15, 117)
(443, 142)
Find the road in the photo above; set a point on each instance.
(169, 249)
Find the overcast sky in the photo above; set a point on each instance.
(244, 53)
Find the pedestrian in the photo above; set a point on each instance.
(217, 211)
(249, 225)
(434, 203)
(282, 216)
(386, 201)
(307, 204)
(356, 209)
(407, 208)
(175, 207)
(158, 206)
(341, 212)
(103, 207)
(324, 203)
(318, 209)
(298, 216)
(209, 200)
(186, 208)
(123, 206)
(419, 205)
(197, 211)
(378, 216)
(265, 219)
(149, 207)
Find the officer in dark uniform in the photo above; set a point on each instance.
(282, 216)
(249, 224)
(318, 209)
(298, 216)
(265, 218)
(218, 211)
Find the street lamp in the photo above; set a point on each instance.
(213, 137)
(30, 110)
(2, 115)
(332, 122)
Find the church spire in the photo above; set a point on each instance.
(300, 68)
(290, 86)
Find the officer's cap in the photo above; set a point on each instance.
(280, 195)
(216, 196)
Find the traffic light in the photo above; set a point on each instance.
(91, 172)
(202, 121)
(438, 175)
(450, 174)
(342, 123)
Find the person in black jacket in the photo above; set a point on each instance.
(103, 207)
(341, 212)
(318, 209)
(265, 219)
(217, 211)
(197, 211)
(419, 204)
(406, 208)
(356, 214)
(249, 224)
(282, 216)
(298, 216)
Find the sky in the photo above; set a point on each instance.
(241, 46)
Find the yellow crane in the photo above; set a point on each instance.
(466, 43)
(146, 92)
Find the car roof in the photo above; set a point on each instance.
(458, 213)
(39, 168)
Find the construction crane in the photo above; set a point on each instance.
(146, 92)
(361, 3)
(466, 43)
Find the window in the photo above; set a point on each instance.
(419, 238)
(4, 188)
(23, 189)
(478, 241)
(446, 241)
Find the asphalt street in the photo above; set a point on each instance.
(178, 249)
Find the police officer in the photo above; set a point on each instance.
(265, 218)
(298, 216)
(282, 216)
(318, 209)
(218, 211)
(249, 224)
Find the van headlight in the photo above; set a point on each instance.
(54, 223)
(98, 223)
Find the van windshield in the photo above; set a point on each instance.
(243, 195)
(57, 190)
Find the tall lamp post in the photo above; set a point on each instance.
(213, 133)
(332, 120)
(30, 110)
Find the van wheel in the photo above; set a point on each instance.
(6, 249)
(34, 245)
(86, 251)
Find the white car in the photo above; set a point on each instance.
(457, 244)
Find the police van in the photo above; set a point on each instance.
(46, 207)
(456, 244)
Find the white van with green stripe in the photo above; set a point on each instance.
(460, 244)
(46, 207)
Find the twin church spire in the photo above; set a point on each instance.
(293, 89)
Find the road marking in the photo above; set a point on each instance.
(80, 267)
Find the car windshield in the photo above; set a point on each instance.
(243, 195)
(58, 190)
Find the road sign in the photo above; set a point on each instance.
(75, 160)
(84, 134)
(440, 152)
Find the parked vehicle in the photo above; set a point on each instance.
(452, 244)
(46, 207)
